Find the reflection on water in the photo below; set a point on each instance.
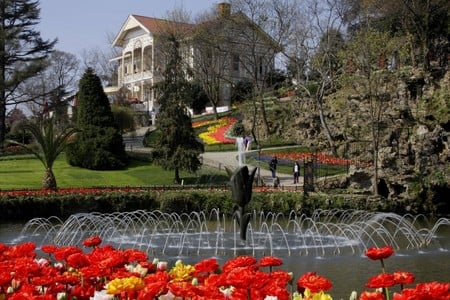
(331, 243)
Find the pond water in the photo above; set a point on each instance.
(331, 243)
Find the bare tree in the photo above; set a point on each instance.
(99, 61)
(48, 88)
(261, 36)
(423, 22)
(313, 55)
(212, 56)
(373, 84)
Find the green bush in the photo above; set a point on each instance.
(179, 203)
(26, 206)
(237, 129)
(97, 148)
(123, 117)
(151, 137)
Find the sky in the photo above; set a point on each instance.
(83, 25)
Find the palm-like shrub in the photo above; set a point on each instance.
(50, 143)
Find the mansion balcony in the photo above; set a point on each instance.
(137, 77)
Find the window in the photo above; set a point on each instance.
(236, 62)
(261, 68)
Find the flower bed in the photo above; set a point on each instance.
(216, 131)
(104, 272)
(319, 157)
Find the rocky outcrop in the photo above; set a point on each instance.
(413, 149)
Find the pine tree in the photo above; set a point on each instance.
(99, 145)
(177, 148)
(22, 51)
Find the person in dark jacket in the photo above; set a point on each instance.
(273, 166)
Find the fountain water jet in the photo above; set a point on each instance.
(325, 233)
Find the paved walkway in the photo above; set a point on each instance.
(220, 160)
(230, 159)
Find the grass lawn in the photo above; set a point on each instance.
(27, 172)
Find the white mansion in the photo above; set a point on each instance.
(249, 55)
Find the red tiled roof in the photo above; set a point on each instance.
(156, 25)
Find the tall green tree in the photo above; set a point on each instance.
(51, 142)
(177, 148)
(22, 52)
(99, 145)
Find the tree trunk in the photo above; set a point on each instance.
(49, 180)
(260, 95)
(177, 175)
(2, 122)
(323, 122)
(216, 114)
(375, 143)
(375, 176)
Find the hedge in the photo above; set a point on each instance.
(28, 206)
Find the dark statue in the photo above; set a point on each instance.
(241, 181)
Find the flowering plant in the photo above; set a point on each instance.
(216, 130)
(103, 272)
(319, 157)
(382, 281)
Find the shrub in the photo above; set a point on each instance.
(24, 205)
(123, 117)
(99, 145)
(237, 129)
(179, 202)
(96, 148)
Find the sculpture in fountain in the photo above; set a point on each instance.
(241, 181)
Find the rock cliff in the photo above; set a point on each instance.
(412, 141)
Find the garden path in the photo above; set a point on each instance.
(230, 160)
(220, 160)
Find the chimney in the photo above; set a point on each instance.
(223, 10)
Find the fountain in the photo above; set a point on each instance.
(330, 242)
(327, 232)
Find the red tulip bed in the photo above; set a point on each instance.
(319, 157)
(80, 191)
(103, 272)
(216, 131)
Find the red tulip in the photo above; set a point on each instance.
(240, 261)
(206, 266)
(402, 277)
(379, 253)
(429, 290)
(270, 261)
(77, 260)
(92, 241)
(371, 296)
(315, 283)
(382, 280)
(133, 255)
(64, 252)
(5, 278)
(50, 249)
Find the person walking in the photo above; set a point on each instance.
(273, 166)
(296, 171)
(248, 143)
